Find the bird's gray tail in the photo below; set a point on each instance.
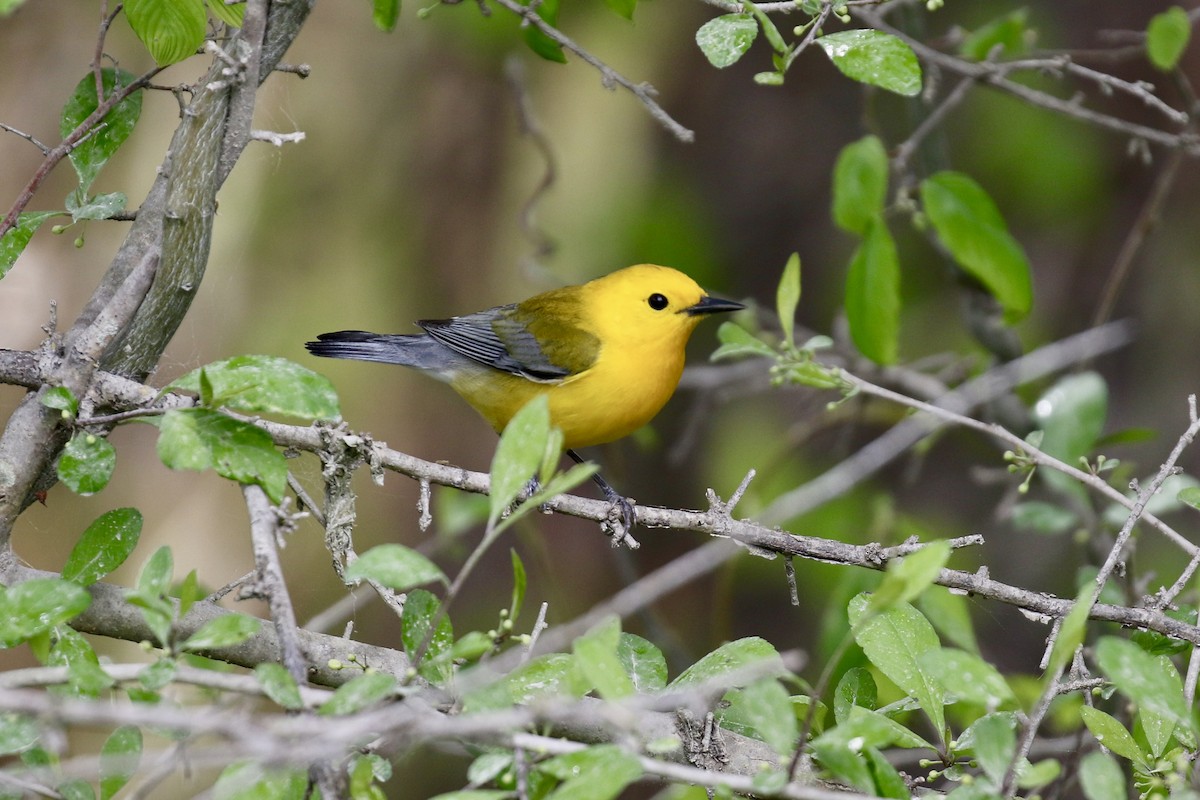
(411, 350)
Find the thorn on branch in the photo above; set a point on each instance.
(277, 139)
(425, 518)
(302, 70)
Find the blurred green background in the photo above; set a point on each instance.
(405, 201)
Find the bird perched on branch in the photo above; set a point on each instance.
(607, 354)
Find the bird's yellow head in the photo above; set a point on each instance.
(647, 305)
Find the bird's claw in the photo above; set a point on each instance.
(619, 523)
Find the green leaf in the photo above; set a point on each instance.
(76, 789)
(950, 616)
(189, 592)
(623, 8)
(156, 576)
(1071, 634)
(876, 730)
(365, 690)
(1006, 32)
(969, 224)
(1071, 414)
(737, 341)
(888, 781)
(539, 42)
(995, 743)
(597, 773)
(279, 685)
(856, 688)
(519, 581)
(420, 608)
(62, 398)
(873, 295)
(644, 663)
(231, 15)
(519, 453)
(1041, 517)
(85, 677)
(763, 711)
(1101, 777)
(36, 606)
(1113, 735)
(199, 438)
(895, 640)
(385, 14)
(1189, 496)
(159, 674)
(596, 657)
(1167, 37)
(787, 297)
(1142, 678)
(104, 546)
(172, 30)
(875, 58)
(14, 241)
(94, 152)
(908, 577)
(969, 677)
(551, 675)
(860, 179)
(725, 39)
(102, 206)
(224, 631)
(1158, 729)
(395, 566)
(733, 663)
(87, 463)
(265, 385)
(249, 780)
(119, 759)
(17, 733)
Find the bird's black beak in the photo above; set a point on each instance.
(711, 305)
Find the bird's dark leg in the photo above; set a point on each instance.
(622, 504)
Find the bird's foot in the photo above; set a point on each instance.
(621, 520)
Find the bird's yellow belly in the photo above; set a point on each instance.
(600, 405)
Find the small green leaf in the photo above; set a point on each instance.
(75, 789)
(14, 241)
(61, 398)
(1101, 777)
(787, 297)
(725, 39)
(224, 631)
(538, 41)
(231, 15)
(950, 616)
(644, 663)
(104, 546)
(1113, 735)
(907, 577)
(1041, 517)
(969, 677)
(85, 677)
(199, 438)
(1189, 496)
(1167, 37)
(875, 58)
(743, 660)
(895, 640)
(518, 592)
(172, 30)
(856, 688)
(189, 592)
(156, 576)
(873, 295)
(1006, 32)
(159, 674)
(1070, 634)
(385, 14)
(519, 453)
(737, 341)
(94, 152)
(119, 759)
(995, 743)
(551, 675)
(762, 711)
(365, 690)
(264, 385)
(395, 566)
(1071, 414)
(596, 657)
(279, 685)
(250, 780)
(102, 206)
(17, 733)
(87, 463)
(969, 224)
(768, 78)
(1142, 678)
(600, 772)
(860, 180)
(36, 606)
(623, 8)
(420, 609)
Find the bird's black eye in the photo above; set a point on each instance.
(657, 301)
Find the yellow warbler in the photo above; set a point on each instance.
(607, 354)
